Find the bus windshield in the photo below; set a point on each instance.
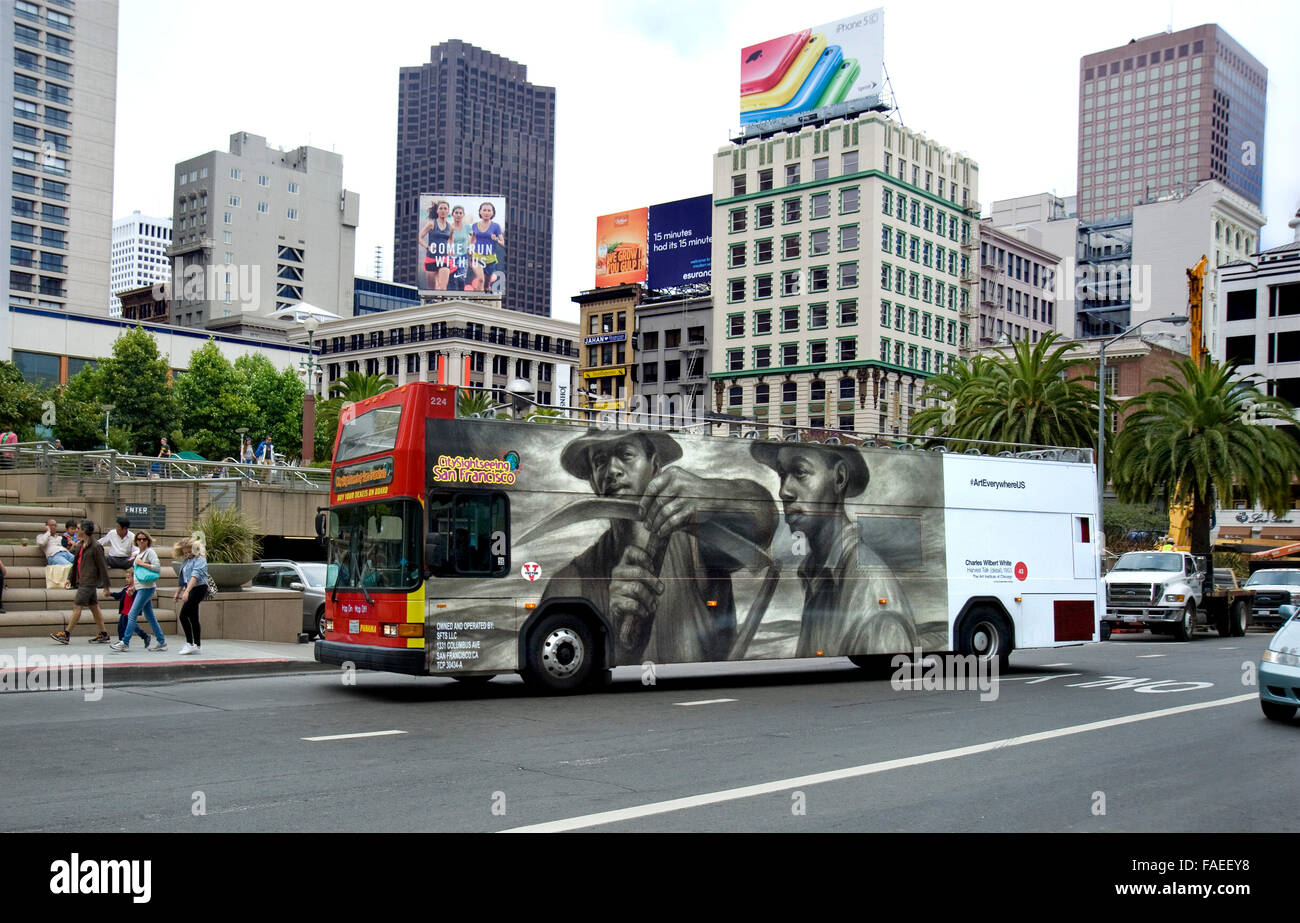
(371, 432)
(375, 546)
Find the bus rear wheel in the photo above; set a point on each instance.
(561, 654)
(984, 633)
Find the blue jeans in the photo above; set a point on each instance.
(60, 557)
(143, 602)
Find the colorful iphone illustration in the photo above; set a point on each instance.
(838, 89)
(762, 65)
(812, 89)
(791, 80)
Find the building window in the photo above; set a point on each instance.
(764, 215)
(764, 179)
(763, 250)
(738, 216)
(735, 395)
(736, 290)
(789, 354)
(236, 173)
(293, 189)
(735, 325)
(791, 174)
(292, 214)
(819, 205)
(848, 275)
(816, 316)
(761, 393)
(762, 322)
(792, 210)
(817, 352)
(738, 184)
(848, 349)
(821, 168)
(737, 255)
(790, 247)
(848, 312)
(762, 287)
(846, 388)
(849, 162)
(789, 284)
(819, 242)
(818, 279)
(762, 357)
(262, 208)
(849, 200)
(233, 201)
(849, 237)
(789, 319)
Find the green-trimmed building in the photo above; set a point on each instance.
(844, 259)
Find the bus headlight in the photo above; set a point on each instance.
(403, 630)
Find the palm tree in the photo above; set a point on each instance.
(1204, 435)
(1026, 397)
(354, 386)
(474, 403)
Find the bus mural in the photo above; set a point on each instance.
(469, 547)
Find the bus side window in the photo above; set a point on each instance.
(468, 535)
(436, 550)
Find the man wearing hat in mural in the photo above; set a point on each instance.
(667, 594)
(853, 604)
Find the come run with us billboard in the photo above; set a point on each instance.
(462, 243)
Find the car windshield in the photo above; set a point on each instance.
(1150, 560)
(315, 574)
(1274, 578)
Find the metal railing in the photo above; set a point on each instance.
(108, 465)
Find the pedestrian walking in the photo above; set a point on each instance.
(246, 454)
(8, 448)
(193, 589)
(89, 576)
(125, 597)
(146, 572)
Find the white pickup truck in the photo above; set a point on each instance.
(1162, 591)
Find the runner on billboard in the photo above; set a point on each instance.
(459, 249)
(488, 251)
(435, 240)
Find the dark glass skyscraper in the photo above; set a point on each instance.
(469, 123)
(1165, 112)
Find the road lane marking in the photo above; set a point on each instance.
(1057, 664)
(1149, 656)
(1046, 678)
(354, 736)
(853, 772)
(706, 702)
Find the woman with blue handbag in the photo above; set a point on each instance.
(146, 572)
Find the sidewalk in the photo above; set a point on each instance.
(220, 658)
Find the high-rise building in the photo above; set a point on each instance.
(139, 256)
(468, 124)
(1017, 296)
(60, 58)
(842, 273)
(257, 229)
(1164, 113)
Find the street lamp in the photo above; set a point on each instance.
(239, 453)
(310, 322)
(1176, 320)
(521, 396)
(108, 409)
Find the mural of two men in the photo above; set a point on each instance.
(663, 570)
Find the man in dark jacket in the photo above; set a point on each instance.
(89, 575)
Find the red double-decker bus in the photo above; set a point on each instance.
(474, 547)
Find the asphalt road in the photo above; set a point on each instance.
(1138, 734)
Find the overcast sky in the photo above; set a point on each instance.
(646, 90)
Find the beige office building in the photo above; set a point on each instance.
(843, 272)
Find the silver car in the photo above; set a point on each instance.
(307, 578)
(1279, 669)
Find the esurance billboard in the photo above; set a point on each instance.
(621, 247)
(462, 243)
(681, 242)
(811, 69)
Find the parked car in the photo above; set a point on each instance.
(309, 579)
(1274, 587)
(1279, 669)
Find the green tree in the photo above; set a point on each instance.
(474, 403)
(1025, 397)
(354, 386)
(78, 420)
(135, 380)
(20, 402)
(275, 397)
(1190, 439)
(212, 403)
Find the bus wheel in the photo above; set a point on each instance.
(984, 633)
(561, 654)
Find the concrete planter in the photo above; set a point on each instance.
(227, 576)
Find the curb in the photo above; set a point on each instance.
(128, 674)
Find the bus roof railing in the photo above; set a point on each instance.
(753, 428)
